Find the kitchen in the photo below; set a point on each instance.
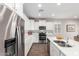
(62, 23)
(39, 29)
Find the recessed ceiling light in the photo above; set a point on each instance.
(58, 3)
(53, 14)
(75, 16)
(39, 5)
(39, 14)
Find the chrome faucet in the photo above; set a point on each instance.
(67, 40)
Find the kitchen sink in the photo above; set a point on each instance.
(62, 43)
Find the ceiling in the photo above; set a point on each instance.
(65, 10)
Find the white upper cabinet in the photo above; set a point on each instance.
(36, 26)
(42, 22)
(49, 25)
(31, 25)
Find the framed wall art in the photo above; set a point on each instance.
(70, 27)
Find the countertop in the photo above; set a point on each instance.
(68, 51)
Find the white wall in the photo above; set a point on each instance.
(70, 34)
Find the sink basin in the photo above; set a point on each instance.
(62, 43)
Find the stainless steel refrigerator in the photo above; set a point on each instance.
(11, 33)
(19, 37)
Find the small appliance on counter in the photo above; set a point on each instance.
(59, 37)
(76, 38)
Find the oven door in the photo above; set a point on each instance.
(10, 47)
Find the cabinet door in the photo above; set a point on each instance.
(49, 26)
(35, 38)
(31, 23)
(36, 26)
(54, 50)
(51, 50)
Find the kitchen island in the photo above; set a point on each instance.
(56, 50)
